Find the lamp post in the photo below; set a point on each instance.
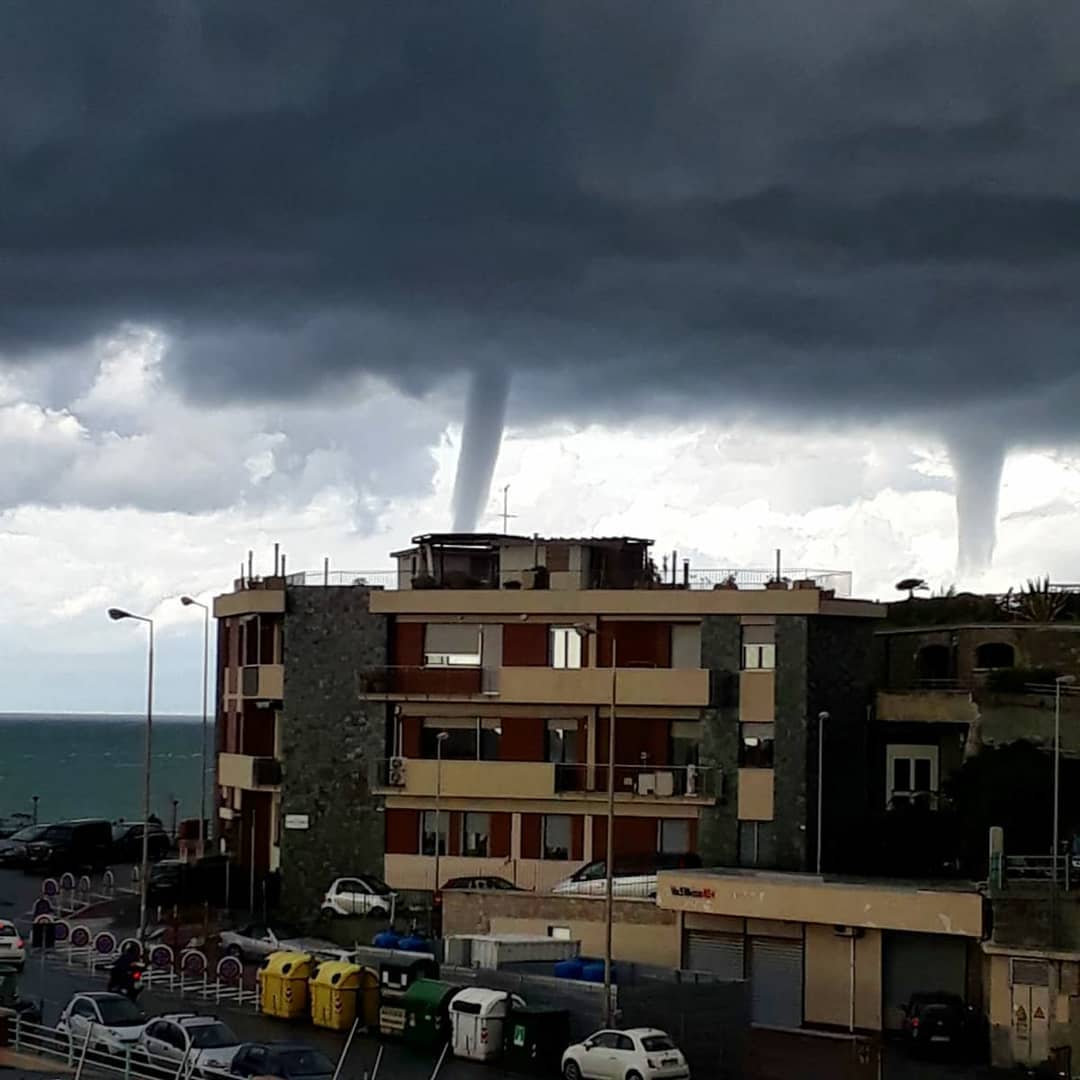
(1059, 682)
(822, 720)
(439, 740)
(144, 870)
(189, 601)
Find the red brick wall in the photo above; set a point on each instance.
(525, 644)
(523, 739)
(530, 836)
(402, 832)
(411, 729)
(639, 644)
(500, 835)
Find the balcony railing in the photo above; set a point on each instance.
(542, 779)
(441, 680)
(646, 781)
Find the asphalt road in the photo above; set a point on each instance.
(52, 983)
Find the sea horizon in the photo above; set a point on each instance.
(55, 714)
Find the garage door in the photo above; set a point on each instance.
(721, 954)
(776, 982)
(914, 963)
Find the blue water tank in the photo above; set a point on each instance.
(594, 972)
(386, 939)
(570, 969)
(414, 943)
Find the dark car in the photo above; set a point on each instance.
(174, 881)
(15, 850)
(85, 844)
(127, 839)
(939, 1021)
(483, 882)
(291, 1061)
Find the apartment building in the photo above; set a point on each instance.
(482, 684)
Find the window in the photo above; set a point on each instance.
(475, 835)
(758, 648)
(685, 742)
(451, 645)
(674, 836)
(556, 836)
(756, 745)
(933, 664)
(995, 654)
(427, 832)
(490, 736)
(912, 775)
(757, 843)
(565, 647)
(562, 742)
(623, 1042)
(605, 1040)
(686, 645)
(466, 739)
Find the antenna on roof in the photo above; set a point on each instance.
(506, 515)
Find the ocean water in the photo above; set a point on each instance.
(92, 766)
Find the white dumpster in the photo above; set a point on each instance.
(477, 1018)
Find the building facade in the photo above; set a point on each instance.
(483, 686)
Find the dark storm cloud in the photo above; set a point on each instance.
(804, 207)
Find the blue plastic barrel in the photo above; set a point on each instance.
(386, 939)
(570, 969)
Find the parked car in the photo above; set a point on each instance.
(485, 882)
(288, 1060)
(634, 875)
(24, 1008)
(257, 941)
(15, 849)
(12, 946)
(127, 838)
(364, 894)
(113, 1022)
(204, 1042)
(645, 1053)
(85, 844)
(174, 881)
(939, 1020)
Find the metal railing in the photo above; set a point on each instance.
(437, 680)
(840, 581)
(645, 781)
(1040, 868)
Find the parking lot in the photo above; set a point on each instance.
(53, 983)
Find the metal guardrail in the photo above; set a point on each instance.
(1040, 868)
(95, 1053)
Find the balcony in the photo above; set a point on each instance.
(250, 601)
(264, 682)
(542, 780)
(249, 773)
(437, 681)
(592, 686)
(937, 706)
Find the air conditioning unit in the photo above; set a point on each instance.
(848, 931)
(646, 784)
(396, 775)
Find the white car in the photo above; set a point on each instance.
(202, 1042)
(12, 946)
(113, 1023)
(364, 894)
(257, 941)
(635, 1054)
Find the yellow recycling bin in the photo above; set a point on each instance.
(283, 984)
(339, 991)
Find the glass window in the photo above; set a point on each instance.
(459, 744)
(559, 933)
(565, 647)
(451, 645)
(605, 1039)
(756, 745)
(475, 834)
(427, 832)
(757, 844)
(912, 774)
(490, 738)
(556, 836)
(759, 657)
(674, 835)
(211, 1036)
(657, 1044)
(562, 742)
(623, 1042)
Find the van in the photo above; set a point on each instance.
(83, 844)
(176, 881)
(635, 875)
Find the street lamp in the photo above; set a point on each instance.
(584, 630)
(189, 601)
(144, 872)
(439, 740)
(1059, 682)
(822, 720)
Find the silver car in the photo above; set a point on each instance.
(258, 940)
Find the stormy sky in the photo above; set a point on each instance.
(251, 254)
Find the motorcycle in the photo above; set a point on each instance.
(126, 979)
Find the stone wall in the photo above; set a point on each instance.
(721, 648)
(330, 740)
(839, 680)
(791, 822)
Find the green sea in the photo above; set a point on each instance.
(92, 766)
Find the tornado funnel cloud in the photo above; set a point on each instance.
(485, 414)
(977, 463)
